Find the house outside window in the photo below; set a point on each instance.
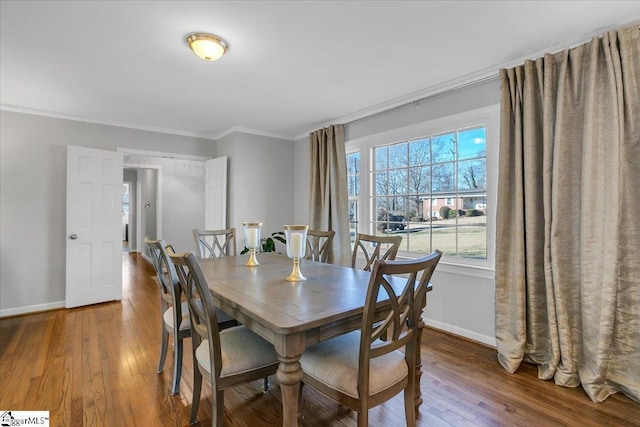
(432, 184)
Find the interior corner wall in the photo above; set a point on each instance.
(260, 178)
(33, 164)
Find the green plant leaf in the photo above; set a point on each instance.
(268, 245)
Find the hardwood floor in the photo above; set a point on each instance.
(96, 366)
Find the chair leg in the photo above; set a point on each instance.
(217, 409)
(197, 388)
(409, 407)
(163, 348)
(363, 417)
(265, 384)
(177, 363)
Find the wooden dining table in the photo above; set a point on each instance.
(292, 315)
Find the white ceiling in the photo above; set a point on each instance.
(292, 66)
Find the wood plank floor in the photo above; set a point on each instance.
(96, 366)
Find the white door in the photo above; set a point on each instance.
(94, 222)
(215, 207)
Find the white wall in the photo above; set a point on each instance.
(261, 183)
(33, 199)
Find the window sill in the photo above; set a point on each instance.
(449, 267)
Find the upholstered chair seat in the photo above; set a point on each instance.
(335, 363)
(241, 351)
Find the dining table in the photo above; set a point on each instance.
(293, 315)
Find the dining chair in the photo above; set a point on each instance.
(319, 245)
(373, 248)
(174, 315)
(360, 370)
(226, 358)
(215, 243)
(173, 311)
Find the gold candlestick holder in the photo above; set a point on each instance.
(252, 231)
(296, 236)
(253, 260)
(296, 274)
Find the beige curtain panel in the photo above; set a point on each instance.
(328, 193)
(568, 238)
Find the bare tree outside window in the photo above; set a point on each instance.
(432, 191)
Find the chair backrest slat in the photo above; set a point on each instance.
(215, 243)
(171, 291)
(372, 249)
(319, 245)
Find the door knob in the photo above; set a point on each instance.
(73, 236)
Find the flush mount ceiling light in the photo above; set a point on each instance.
(207, 46)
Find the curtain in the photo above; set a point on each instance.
(568, 235)
(328, 193)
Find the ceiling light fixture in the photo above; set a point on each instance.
(207, 46)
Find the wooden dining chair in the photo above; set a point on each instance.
(226, 358)
(360, 370)
(319, 245)
(215, 243)
(173, 311)
(174, 315)
(374, 248)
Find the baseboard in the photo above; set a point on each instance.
(146, 257)
(465, 333)
(28, 309)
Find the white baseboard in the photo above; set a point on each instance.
(146, 257)
(31, 309)
(490, 341)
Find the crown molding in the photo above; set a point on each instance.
(257, 132)
(161, 154)
(126, 125)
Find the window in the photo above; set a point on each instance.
(125, 198)
(353, 186)
(432, 183)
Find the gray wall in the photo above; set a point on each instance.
(268, 181)
(461, 303)
(149, 180)
(260, 177)
(33, 198)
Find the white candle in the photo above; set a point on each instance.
(295, 248)
(252, 237)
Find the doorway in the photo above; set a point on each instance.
(126, 196)
(144, 216)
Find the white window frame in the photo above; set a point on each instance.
(487, 116)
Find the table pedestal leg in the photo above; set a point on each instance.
(289, 375)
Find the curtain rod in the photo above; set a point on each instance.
(434, 93)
